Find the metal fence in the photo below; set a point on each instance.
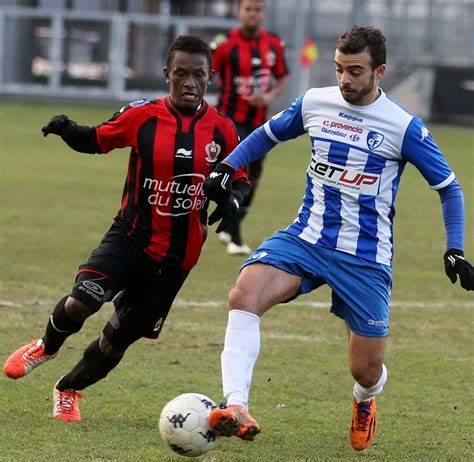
(116, 53)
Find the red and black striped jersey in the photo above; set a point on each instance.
(164, 209)
(245, 67)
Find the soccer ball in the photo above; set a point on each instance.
(184, 426)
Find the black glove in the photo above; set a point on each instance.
(455, 264)
(60, 125)
(227, 213)
(218, 185)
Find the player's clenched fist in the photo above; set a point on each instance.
(60, 125)
(218, 185)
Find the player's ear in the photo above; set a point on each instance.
(380, 71)
(167, 74)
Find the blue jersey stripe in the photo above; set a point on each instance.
(332, 198)
(305, 212)
(367, 241)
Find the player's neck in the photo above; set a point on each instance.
(250, 33)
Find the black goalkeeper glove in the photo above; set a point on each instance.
(60, 125)
(455, 264)
(218, 185)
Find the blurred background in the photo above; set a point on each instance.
(107, 51)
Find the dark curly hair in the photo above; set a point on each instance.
(190, 44)
(361, 38)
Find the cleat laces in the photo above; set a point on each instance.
(363, 414)
(34, 356)
(66, 402)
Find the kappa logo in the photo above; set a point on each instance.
(183, 153)
(424, 133)
(374, 140)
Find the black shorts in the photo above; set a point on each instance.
(146, 289)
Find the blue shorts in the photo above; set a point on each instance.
(360, 288)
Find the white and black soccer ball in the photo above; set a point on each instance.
(184, 425)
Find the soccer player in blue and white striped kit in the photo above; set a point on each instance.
(361, 140)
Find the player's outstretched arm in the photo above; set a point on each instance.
(78, 137)
(456, 265)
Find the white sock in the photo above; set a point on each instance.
(364, 394)
(241, 348)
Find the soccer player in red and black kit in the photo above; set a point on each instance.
(252, 71)
(158, 233)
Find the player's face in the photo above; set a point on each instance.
(358, 82)
(188, 76)
(252, 14)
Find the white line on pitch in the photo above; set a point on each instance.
(217, 303)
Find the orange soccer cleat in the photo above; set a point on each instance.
(66, 407)
(364, 424)
(234, 421)
(22, 361)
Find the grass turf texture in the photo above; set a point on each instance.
(57, 204)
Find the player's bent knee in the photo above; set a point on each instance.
(120, 337)
(240, 298)
(77, 310)
(366, 375)
(108, 349)
(89, 293)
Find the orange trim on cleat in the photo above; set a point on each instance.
(22, 361)
(364, 424)
(66, 407)
(234, 421)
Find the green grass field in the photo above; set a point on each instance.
(57, 204)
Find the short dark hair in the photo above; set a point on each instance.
(259, 1)
(359, 38)
(192, 44)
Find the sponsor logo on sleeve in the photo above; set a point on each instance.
(258, 255)
(424, 133)
(139, 102)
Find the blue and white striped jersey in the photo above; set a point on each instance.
(358, 154)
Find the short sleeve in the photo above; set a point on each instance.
(119, 131)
